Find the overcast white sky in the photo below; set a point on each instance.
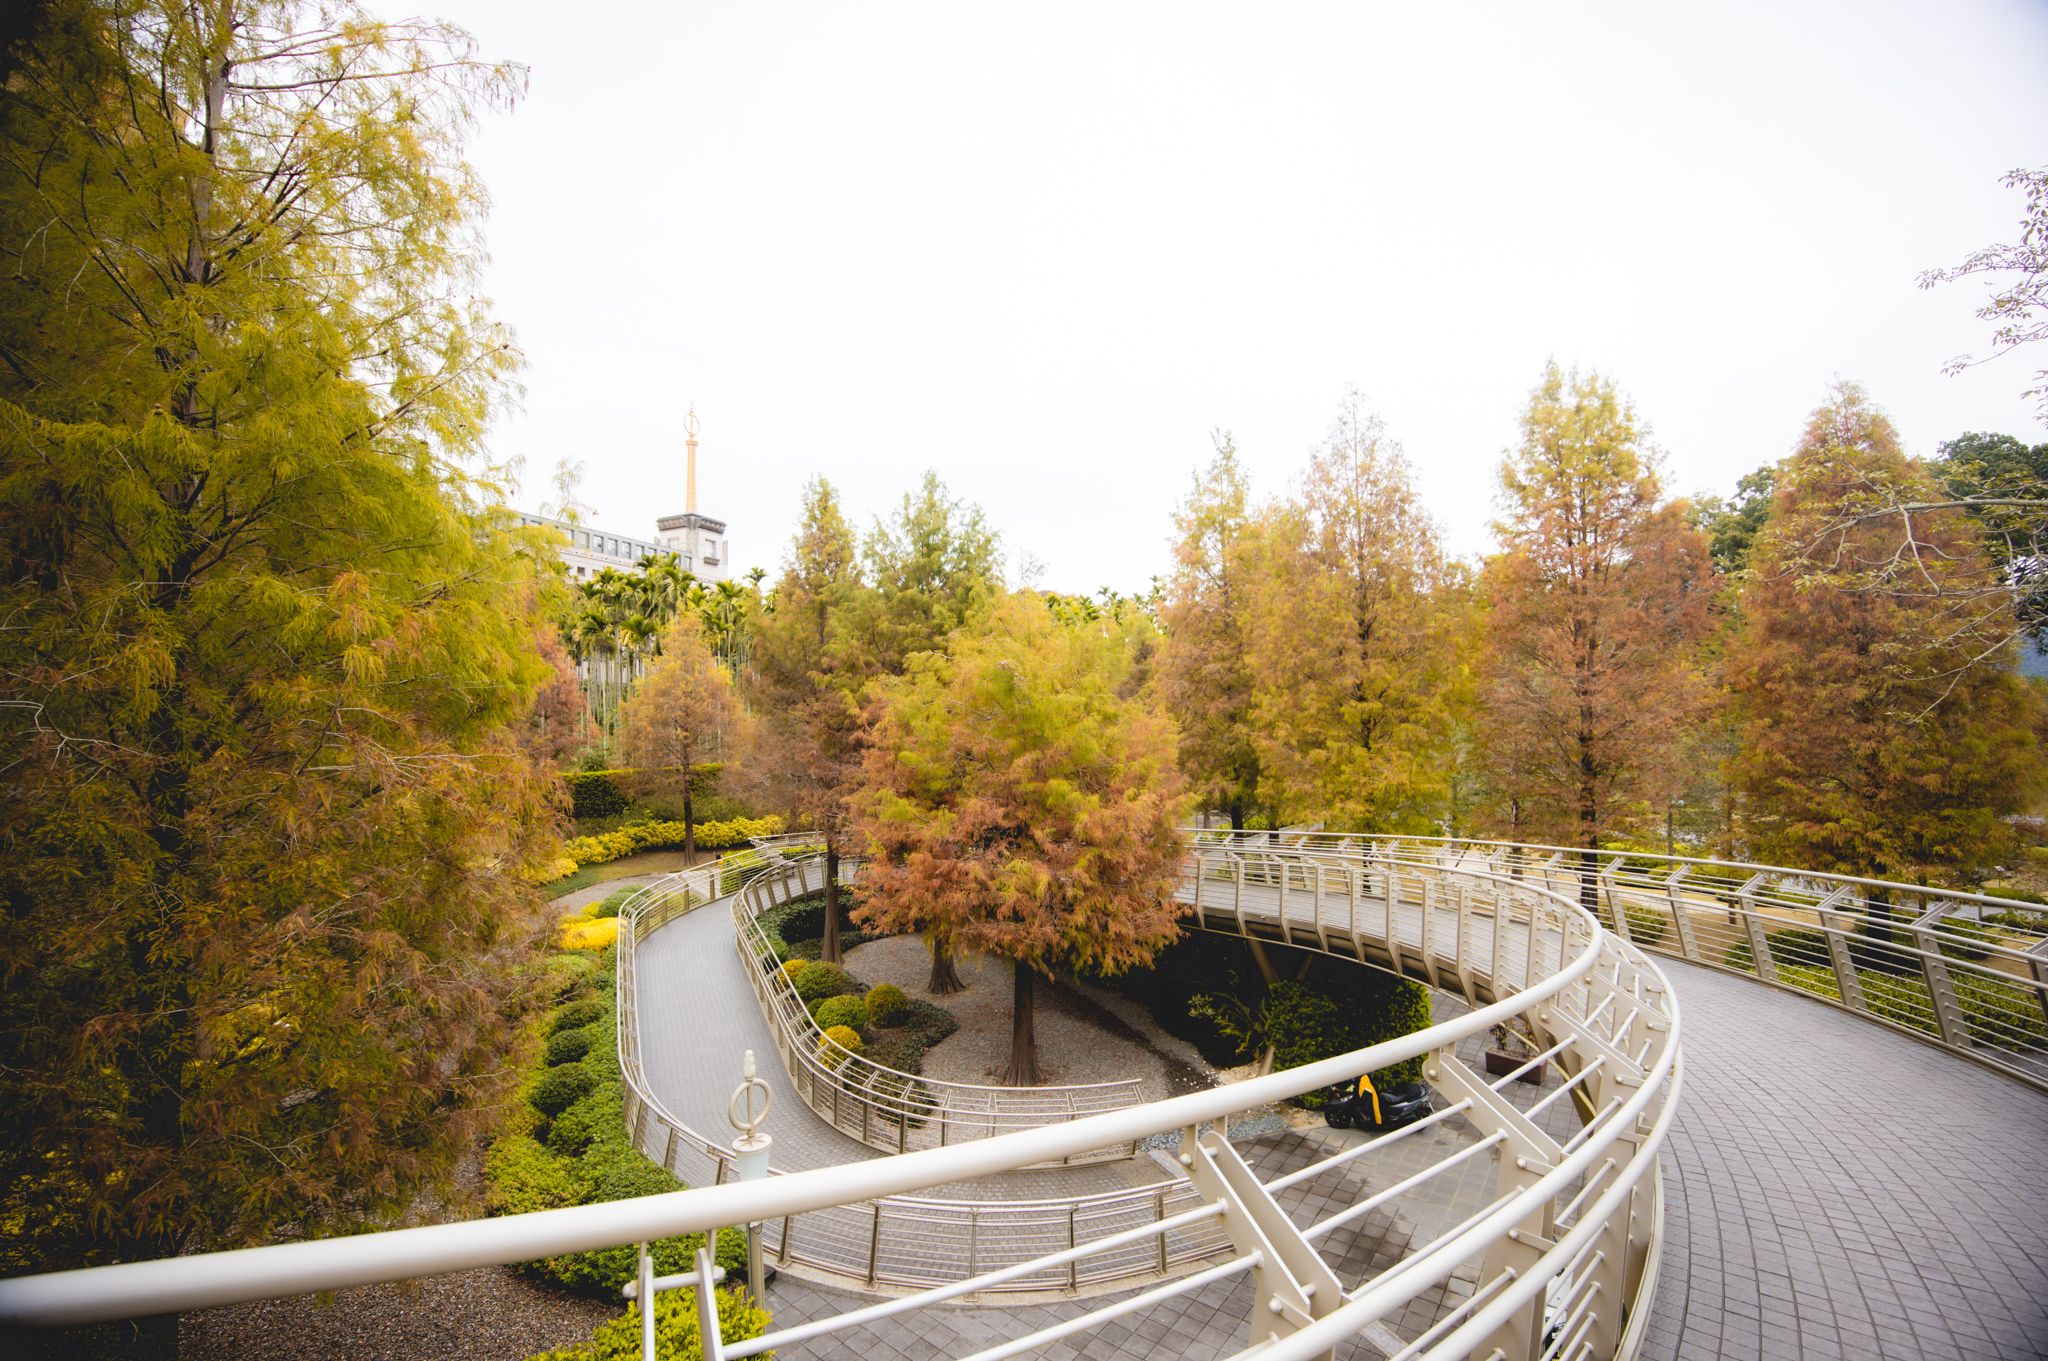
(1045, 250)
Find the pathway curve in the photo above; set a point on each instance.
(1833, 1189)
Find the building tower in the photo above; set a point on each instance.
(698, 540)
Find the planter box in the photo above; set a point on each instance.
(1500, 1063)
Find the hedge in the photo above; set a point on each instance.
(595, 794)
(565, 1046)
(837, 1044)
(575, 1152)
(675, 1329)
(652, 836)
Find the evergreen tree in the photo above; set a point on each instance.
(268, 656)
(681, 714)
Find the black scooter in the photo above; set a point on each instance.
(1364, 1106)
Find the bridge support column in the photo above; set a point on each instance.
(1292, 1285)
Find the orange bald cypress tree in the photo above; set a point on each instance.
(1881, 734)
(1017, 803)
(1595, 611)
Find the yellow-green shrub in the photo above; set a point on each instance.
(649, 836)
(839, 1042)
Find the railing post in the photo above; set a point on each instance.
(1158, 1214)
(1073, 1264)
(875, 1242)
(1847, 985)
(1681, 921)
(1941, 988)
(1753, 927)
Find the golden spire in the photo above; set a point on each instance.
(690, 426)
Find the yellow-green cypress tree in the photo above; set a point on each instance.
(267, 649)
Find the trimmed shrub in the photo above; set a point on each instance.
(572, 974)
(595, 794)
(608, 906)
(579, 1014)
(837, 1044)
(653, 836)
(577, 934)
(793, 969)
(925, 1022)
(556, 1089)
(676, 1337)
(597, 1114)
(520, 1175)
(886, 1002)
(904, 1053)
(843, 1010)
(1795, 947)
(565, 1046)
(817, 981)
(1966, 938)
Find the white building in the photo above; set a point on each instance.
(698, 541)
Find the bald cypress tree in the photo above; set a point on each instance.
(268, 654)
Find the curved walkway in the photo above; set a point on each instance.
(1832, 1188)
(1835, 1189)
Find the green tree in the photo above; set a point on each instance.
(809, 665)
(932, 566)
(1731, 526)
(1203, 675)
(1878, 737)
(1596, 610)
(2003, 484)
(268, 654)
(1018, 802)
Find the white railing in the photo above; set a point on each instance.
(1966, 971)
(882, 1106)
(1565, 1245)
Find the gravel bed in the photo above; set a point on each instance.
(1079, 1040)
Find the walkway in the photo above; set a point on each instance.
(1833, 1189)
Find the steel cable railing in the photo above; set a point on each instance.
(1967, 971)
(1512, 948)
(882, 1106)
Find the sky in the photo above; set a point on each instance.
(1047, 250)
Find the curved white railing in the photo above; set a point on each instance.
(1965, 971)
(1564, 1243)
(882, 1106)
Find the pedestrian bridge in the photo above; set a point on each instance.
(1784, 1114)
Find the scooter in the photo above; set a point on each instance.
(1366, 1107)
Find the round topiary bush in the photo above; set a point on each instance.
(818, 981)
(793, 969)
(577, 1015)
(885, 1003)
(566, 1046)
(558, 1088)
(844, 1010)
(839, 1042)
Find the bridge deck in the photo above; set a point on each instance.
(1832, 1188)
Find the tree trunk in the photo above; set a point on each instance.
(945, 980)
(1237, 815)
(1023, 1069)
(828, 948)
(689, 820)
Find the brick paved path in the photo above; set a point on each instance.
(1833, 1189)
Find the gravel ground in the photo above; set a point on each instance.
(491, 1314)
(1080, 1039)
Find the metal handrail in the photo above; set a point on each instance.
(1516, 950)
(1886, 951)
(879, 1105)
